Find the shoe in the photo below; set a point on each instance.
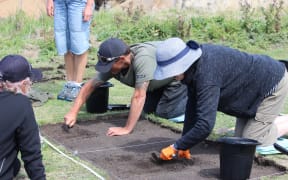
(280, 148)
(269, 150)
(74, 91)
(64, 92)
(178, 119)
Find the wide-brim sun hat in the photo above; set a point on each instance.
(174, 57)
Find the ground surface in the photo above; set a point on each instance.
(129, 157)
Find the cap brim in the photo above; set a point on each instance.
(104, 67)
(36, 75)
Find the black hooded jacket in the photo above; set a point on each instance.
(226, 80)
(19, 132)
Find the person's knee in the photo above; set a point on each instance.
(266, 136)
(169, 114)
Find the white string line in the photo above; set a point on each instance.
(61, 114)
(96, 174)
(71, 150)
(77, 162)
(122, 147)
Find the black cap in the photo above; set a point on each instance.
(110, 48)
(15, 68)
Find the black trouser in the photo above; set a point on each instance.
(285, 62)
(16, 167)
(167, 102)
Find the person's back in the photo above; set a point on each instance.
(18, 127)
(166, 98)
(143, 66)
(19, 131)
(244, 79)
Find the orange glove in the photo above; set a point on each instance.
(168, 153)
(184, 154)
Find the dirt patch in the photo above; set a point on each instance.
(129, 157)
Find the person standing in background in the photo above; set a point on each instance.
(72, 19)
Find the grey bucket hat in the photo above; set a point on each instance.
(174, 57)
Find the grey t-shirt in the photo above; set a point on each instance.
(142, 68)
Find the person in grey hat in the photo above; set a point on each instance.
(134, 66)
(18, 127)
(250, 87)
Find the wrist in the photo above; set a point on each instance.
(175, 147)
(127, 129)
(90, 3)
(73, 113)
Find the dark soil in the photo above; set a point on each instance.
(129, 157)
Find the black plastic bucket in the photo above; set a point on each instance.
(236, 157)
(97, 102)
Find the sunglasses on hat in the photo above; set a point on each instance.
(106, 59)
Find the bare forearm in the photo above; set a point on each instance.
(136, 108)
(137, 104)
(85, 92)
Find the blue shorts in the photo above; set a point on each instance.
(71, 32)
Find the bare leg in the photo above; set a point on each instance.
(69, 66)
(75, 66)
(80, 62)
(282, 125)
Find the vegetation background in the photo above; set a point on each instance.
(263, 31)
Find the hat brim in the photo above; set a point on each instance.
(178, 67)
(36, 75)
(104, 67)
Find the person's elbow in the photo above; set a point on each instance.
(139, 95)
(206, 128)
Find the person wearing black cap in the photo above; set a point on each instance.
(134, 66)
(18, 127)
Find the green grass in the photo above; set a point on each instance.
(69, 169)
(34, 39)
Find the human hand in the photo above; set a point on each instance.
(70, 119)
(117, 131)
(50, 8)
(184, 154)
(87, 13)
(168, 153)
